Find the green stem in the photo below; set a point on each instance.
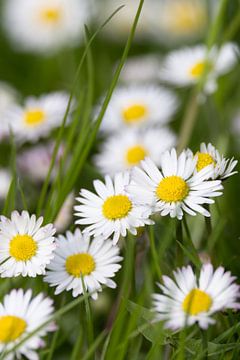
(179, 238)
(154, 252)
(208, 222)
(90, 332)
(204, 343)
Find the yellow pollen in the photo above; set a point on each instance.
(204, 160)
(50, 15)
(172, 189)
(197, 301)
(34, 117)
(198, 69)
(135, 154)
(23, 247)
(116, 207)
(80, 264)
(134, 113)
(11, 328)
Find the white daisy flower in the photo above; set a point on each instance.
(122, 151)
(140, 69)
(45, 26)
(38, 117)
(8, 97)
(78, 259)
(35, 162)
(110, 211)
(221, 167)
(5, 181)
(175, 188)
(20, 315)
(179, 20)
(186, 66)
(139, 105)
(187, 300)
(65, 214)
(26, 247)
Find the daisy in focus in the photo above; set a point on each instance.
(20, 315)
(110, 212)
(139, 105)
(35, 162)
(78, 260)
(5, 181)
(45, 26)
(187, 66)
(175, 188)
(189, 300)
(221, 168)
(26, 247)
(38, 116)
(122, 151)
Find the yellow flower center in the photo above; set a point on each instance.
(196, 301)
(50, 15)
(172, 189)
(116, 207)
(34, 117)
(198, 69)
(11, 328)
(184, 16)
(134, 113)
(80, 264)
(204, 160)
(23, 247)
(135, 154)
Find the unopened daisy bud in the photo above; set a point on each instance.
(20, 315)
(5, 180)
(26, 247)
(77, 260)
(175, 188)
(188, 300)
(187, 66)
(221, 168)
(137, 106)
(111, 211)
(123, 151)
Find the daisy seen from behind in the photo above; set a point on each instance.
(110, 211)
(187, 300)
(122, 151)
(221, 168)
(174, 189)
(79, 260)
(20, 315)
(26, 247)
(187, 66)
(139, 105)
(44, 26)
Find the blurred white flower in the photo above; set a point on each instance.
(126, 149)
(37, 117)
(187, 66)
(5, 181)
(35, 162)
(8, 97)
(137, 106)
(44, 26)
(65, 214)
(140, 69)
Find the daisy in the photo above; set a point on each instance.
(8, 97)
(186, 66)
(26, 247)
(45, 26)
(188, 300)
(175, 188)
(140, 69)
(20, 315)
(125, 150)
(110, 211)
(5, 181)
(78, 260)
(221, 167)
(35, 162)
(138, 105)
(38, 116)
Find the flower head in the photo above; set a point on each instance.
(77, 260)
(188, 300)
(26, 247)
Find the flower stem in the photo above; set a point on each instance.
(154, 252)
(90, 332)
